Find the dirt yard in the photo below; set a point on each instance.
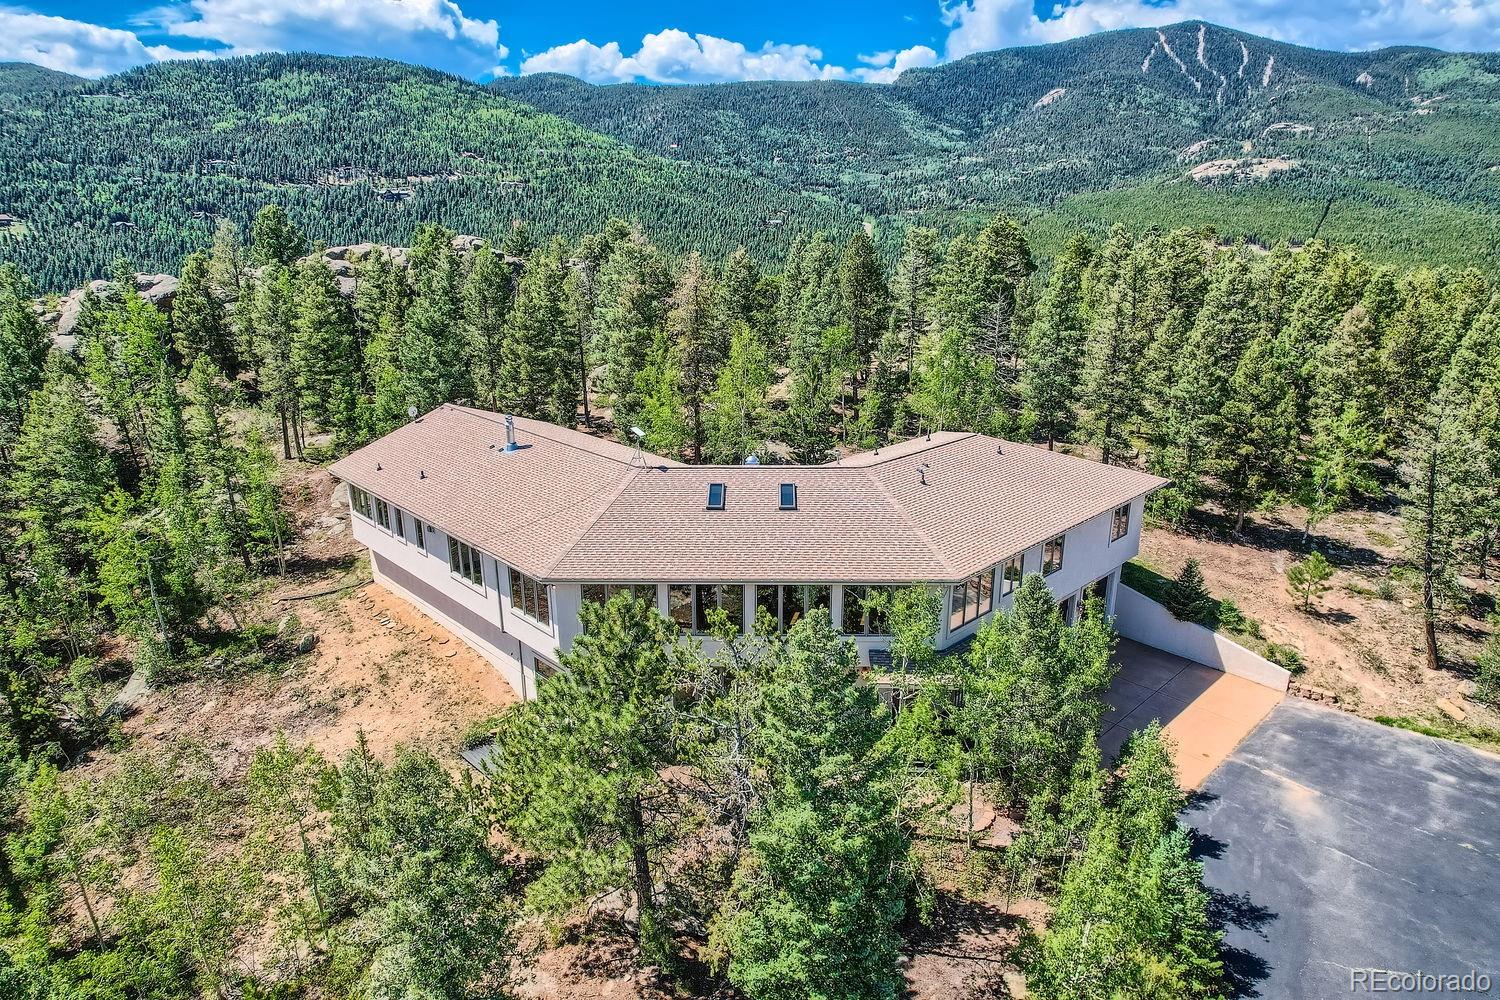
(1362, 642)
(379, 666)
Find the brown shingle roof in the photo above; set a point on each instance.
(568, 506)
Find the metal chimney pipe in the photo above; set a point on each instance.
(510, 433)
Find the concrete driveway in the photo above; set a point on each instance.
(1205, 711)
(1332, 843)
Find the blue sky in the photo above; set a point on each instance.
(675, 41)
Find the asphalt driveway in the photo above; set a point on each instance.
(1334, 844)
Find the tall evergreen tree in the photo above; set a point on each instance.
(199, 322)
(536, 372)
(1054, 348)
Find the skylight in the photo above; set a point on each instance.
(715, 496)
(788, 496)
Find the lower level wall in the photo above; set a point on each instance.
(1140, 618)
(486, 637)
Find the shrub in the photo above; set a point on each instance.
(1308, 579)
(1187, 597)
(1487, 676)
(1286, 657)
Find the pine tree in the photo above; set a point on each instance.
(275, 238)
(434, 364)
(580, 776)
(486, 301)
(700, 341)
(325, 356)
(1308, 579)
(535, 360)
(864, 303)
(913, 289)
(633, 287)
(1054, 348)
(23, 353)
(275, 312)
(739, 415)
(664, 414)
(807, 423)
(820, 891)
(1110, 390)
(199, 322)
(741, 295)
(1255, 450)
(1187, 596)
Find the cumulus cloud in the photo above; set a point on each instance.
(980, 25)
(884, 67)
(431, 32)
(674, 56)
(76, 46)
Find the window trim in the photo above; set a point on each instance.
(1116, 530)
(779, 613)
(456, 549)
(1060, 541)
(382, 518)
(865, 617)
(535, 604)
(700, 621)
(360, 502)
(788, 490)
(1007, 585)
(978, 599)
(421, 534)
(712, 504)
(398, 523)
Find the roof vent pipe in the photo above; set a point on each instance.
(510, 433)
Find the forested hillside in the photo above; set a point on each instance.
(18, 79)
(1194, 125)
(142, 164)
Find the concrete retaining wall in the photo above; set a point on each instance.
(1140, 618)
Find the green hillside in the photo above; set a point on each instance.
(1402, 145)
(141, 165)
(18, 79)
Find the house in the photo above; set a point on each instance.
(499, 528)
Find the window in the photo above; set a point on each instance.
(865, 609)
(544, 668)
(1052, 555)
(383, 514)
(359, 500)
(463, 561)
(529, 597)
(971, 599)
(421, 534)
(788, 603)
(600, 593)
(400, 529)
(788, 496)
(715, 496)
(726, 597)
(1010, 573)
(680, 605)
(1120, 527)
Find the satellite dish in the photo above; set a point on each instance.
(411, 411)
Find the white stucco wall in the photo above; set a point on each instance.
(1140, 618)
(1088, 556)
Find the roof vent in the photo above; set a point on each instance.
(510, 433)
(715, 496)
(788, 496)
(922, 472)
(752, 460)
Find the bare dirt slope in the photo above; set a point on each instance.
(1363, 639)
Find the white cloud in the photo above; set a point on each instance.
(884, 67)
(674, 56)
(980, 25)
(430, 32)
(76, 46)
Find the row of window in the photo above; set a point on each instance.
(692, 605)
(975, 597)
(528, 597)
(386, 516)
